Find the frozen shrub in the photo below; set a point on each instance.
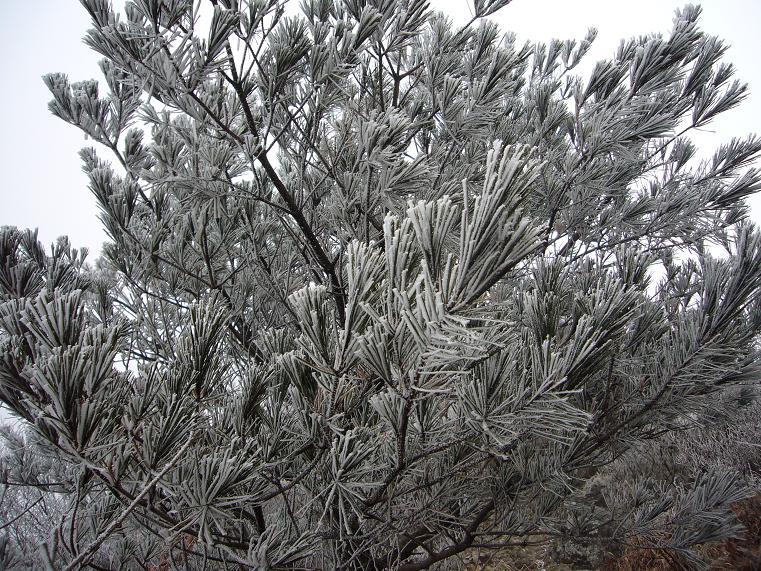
(379, 289)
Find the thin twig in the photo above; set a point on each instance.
(93, 547)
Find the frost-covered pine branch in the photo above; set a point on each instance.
(411, 286)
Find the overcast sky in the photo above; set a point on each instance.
(42, 182)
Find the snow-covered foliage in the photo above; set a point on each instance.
(378, 289)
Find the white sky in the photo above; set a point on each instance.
(43, 185)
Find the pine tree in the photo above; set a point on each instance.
(378, 289)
